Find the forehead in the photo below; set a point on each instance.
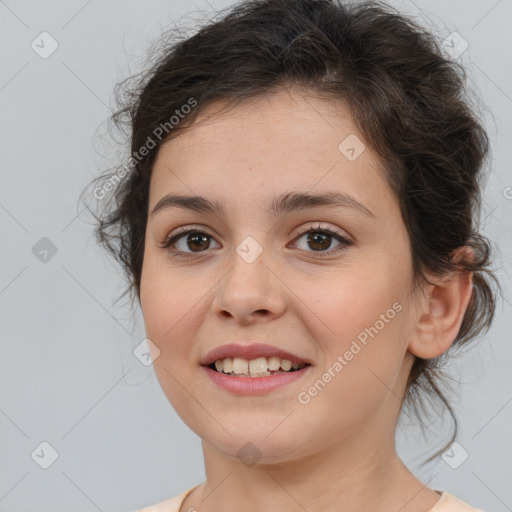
(289, 139)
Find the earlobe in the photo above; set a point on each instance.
(441, 312)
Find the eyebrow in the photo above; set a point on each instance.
(286, 203)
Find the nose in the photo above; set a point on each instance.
(250, 290)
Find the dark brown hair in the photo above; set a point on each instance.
(405, 96)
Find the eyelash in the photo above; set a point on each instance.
(345, 243)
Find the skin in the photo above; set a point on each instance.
(338, 449)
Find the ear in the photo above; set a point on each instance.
(440, 314)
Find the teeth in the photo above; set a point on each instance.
(258, 367)
(286, 365)
(274, 363)
(240, 365)
(228, 365)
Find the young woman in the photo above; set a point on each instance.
(298, 223)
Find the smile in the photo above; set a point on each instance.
(259, 367)
(247, 383)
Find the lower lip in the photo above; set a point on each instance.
(254, 385)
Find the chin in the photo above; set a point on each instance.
(251, 447)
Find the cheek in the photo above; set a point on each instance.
(358, 318)
(169, 312)
(343, 302)
(162, 299)
(359, 372)
(171, 320)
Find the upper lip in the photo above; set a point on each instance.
(249, 351)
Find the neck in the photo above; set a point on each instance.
(356, 475)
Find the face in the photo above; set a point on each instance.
(329, 283)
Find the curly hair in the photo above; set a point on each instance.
(407, 98)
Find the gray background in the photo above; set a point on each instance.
(68, 375)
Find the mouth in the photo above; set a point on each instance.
(255, 376)
(252, 360)
(258, 367)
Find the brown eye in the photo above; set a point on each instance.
(198, 241)
(190, 241)
(320, 240)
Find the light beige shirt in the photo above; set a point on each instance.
(447, 503)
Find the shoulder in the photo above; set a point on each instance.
(447, 503)
(450, 503)
(169, 505)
